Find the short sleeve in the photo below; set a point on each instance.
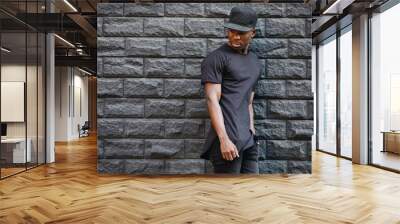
(212, 69)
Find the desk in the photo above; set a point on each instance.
(16, 147)
(391, 141)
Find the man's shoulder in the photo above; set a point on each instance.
(218, 54)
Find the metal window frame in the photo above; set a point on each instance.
(339, 32)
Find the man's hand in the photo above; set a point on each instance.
(228, 150)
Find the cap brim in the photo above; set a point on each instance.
(237, 27)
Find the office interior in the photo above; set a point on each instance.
(356, 82)
(48, 80)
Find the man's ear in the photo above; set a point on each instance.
(253, 34)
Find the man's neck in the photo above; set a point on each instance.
(242, 51)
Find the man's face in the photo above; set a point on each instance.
(240, 39)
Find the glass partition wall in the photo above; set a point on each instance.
(327, 95)
(334, 94)
(22, 78)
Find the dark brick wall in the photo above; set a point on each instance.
(152, 116)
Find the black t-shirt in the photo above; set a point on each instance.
(238, 75)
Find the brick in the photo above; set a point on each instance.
(109, 87)
(285, 27)
(144, 9)
(99, 26)
(268, 9)
(204, 27)
(144, 166)
(271, 88)
(164, 67)
(144, 87)
(260, 108)
(290, 109)
(185, 166)
(123, 107)
(196, 108)
(309, 28)
(193, 68)
(123, 66)
(286, 69)
(183, 88)
(193, 148)
(272, 166)
(99, 67)
(299, 167)
(270, 48)
(144, 128)
(298, 10)
(165, 108)
(184, 9)
(300, 48)
(300, 129)
(111, 166)
(219, 9)
(164, 27)
(213, 44)
(120, 26)
(110, 127)
(260, 28)
(164, 149)
(123, 148)
(270, 129)
(299, 89)
(110, 9)
(262, 149)
(309, 69)
(100, 148)
(145, 46)
(263, 74)
(110, 46)
(186, 47)
(184, 128)
(287, 150)
(100, 107)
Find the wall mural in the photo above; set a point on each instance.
(152, 112)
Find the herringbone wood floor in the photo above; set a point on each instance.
(70, 191)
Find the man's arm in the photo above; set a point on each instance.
(251, 113)
(213, 95)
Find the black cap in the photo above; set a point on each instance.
(242, 18)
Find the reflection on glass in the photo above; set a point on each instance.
(327, 96)
(346, 94)
(385, 88)
(41, 98)
(14, 153)
(31, 100)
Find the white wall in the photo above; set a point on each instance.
(70, 84)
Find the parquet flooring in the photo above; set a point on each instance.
(70, 191)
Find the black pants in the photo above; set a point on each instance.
(247, 162)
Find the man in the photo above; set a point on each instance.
(229, 75)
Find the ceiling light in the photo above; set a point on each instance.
(86, 72)
(70, 5)
(5, 50)
(64, 40)
(335, 7)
